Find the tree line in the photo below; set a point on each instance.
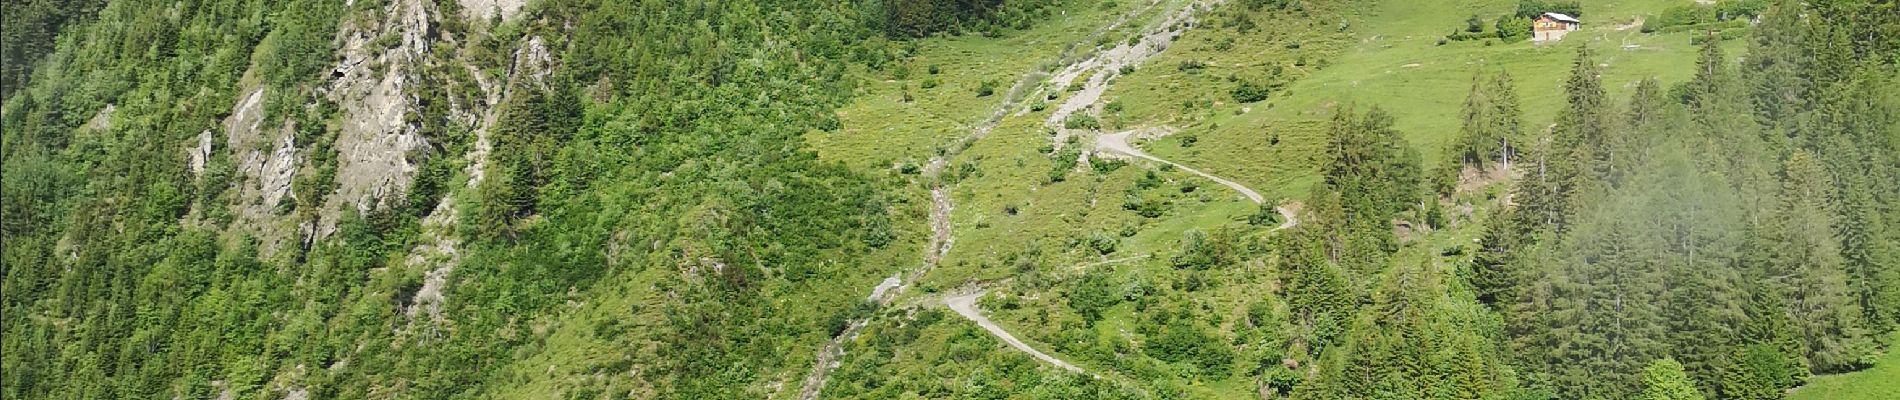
(1724, 237)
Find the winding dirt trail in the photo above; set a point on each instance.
(965, 305)
(1116, 144)
(941, 237)
(1155, 39)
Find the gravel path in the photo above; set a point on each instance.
(965, 305)
(1116, 144)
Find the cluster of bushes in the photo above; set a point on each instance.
(1249, 91)
(1515, 26)
(1532, 8)
(1727, 15)
(920, 18)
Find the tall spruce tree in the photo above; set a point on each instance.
(1776, 65)
(1572, 169)
(1664, 380)
(1490, 122)
(1770, 357)
(1474, 128)
(1804, 265)
(1407, 344)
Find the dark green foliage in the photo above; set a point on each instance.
(1492, 123)
(1318, 294)
(1664, 380)
(1266, 215)
(1103, 244)
(1665, 232)
(1769, 359)
(1802, 256)
(1373, 175)
(1534, 8)
(1183, 342)
(1249, 91)
(1512, 29)
(1081, 121)
(919, 18)
(1408, 345)
(1200, 251)
(1372, 166)
(1191, 66)
(1095, 292)
(29, 28)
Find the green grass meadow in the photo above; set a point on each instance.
(1008, 209)
(1877, 383)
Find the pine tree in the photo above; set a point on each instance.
(1475, 129)
(1373, 175)
(1642, 127)
(1770, 358)
(1506, 118)
(1405, 345)
(1691, 230)
(1804, 263)
(1574, 167)
(1495, 277)
(1491, 122)
(1776, 66)
(1711, 71)
(1663, 379)
(1319, 295)
(1729, 140)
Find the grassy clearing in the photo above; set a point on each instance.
(882, 129)
(1008, 207)
(1390, 59)
(1880, 382)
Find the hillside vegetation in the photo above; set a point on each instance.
(1047, 199)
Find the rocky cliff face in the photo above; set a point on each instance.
(377, 145)
(267, 160)
(382, 55)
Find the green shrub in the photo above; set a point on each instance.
(1265, 216)
(1103, 244)
(1081, 121)
(1191, 66)
(1224, 44)
(1249, 91)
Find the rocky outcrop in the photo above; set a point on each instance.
(267, 161)
(102, 120)
(377, 144)
(201, 153)
(484, 10)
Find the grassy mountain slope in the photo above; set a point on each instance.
(744, 199)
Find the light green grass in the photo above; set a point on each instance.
(881, 129)
(1391, 60)
(1880, 382)
(1385, 56)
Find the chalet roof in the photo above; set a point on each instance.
(1562, 17)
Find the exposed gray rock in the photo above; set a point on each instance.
(267, 163)
(201, 153)
(376, 140)
(483, 10)
(102, 120)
